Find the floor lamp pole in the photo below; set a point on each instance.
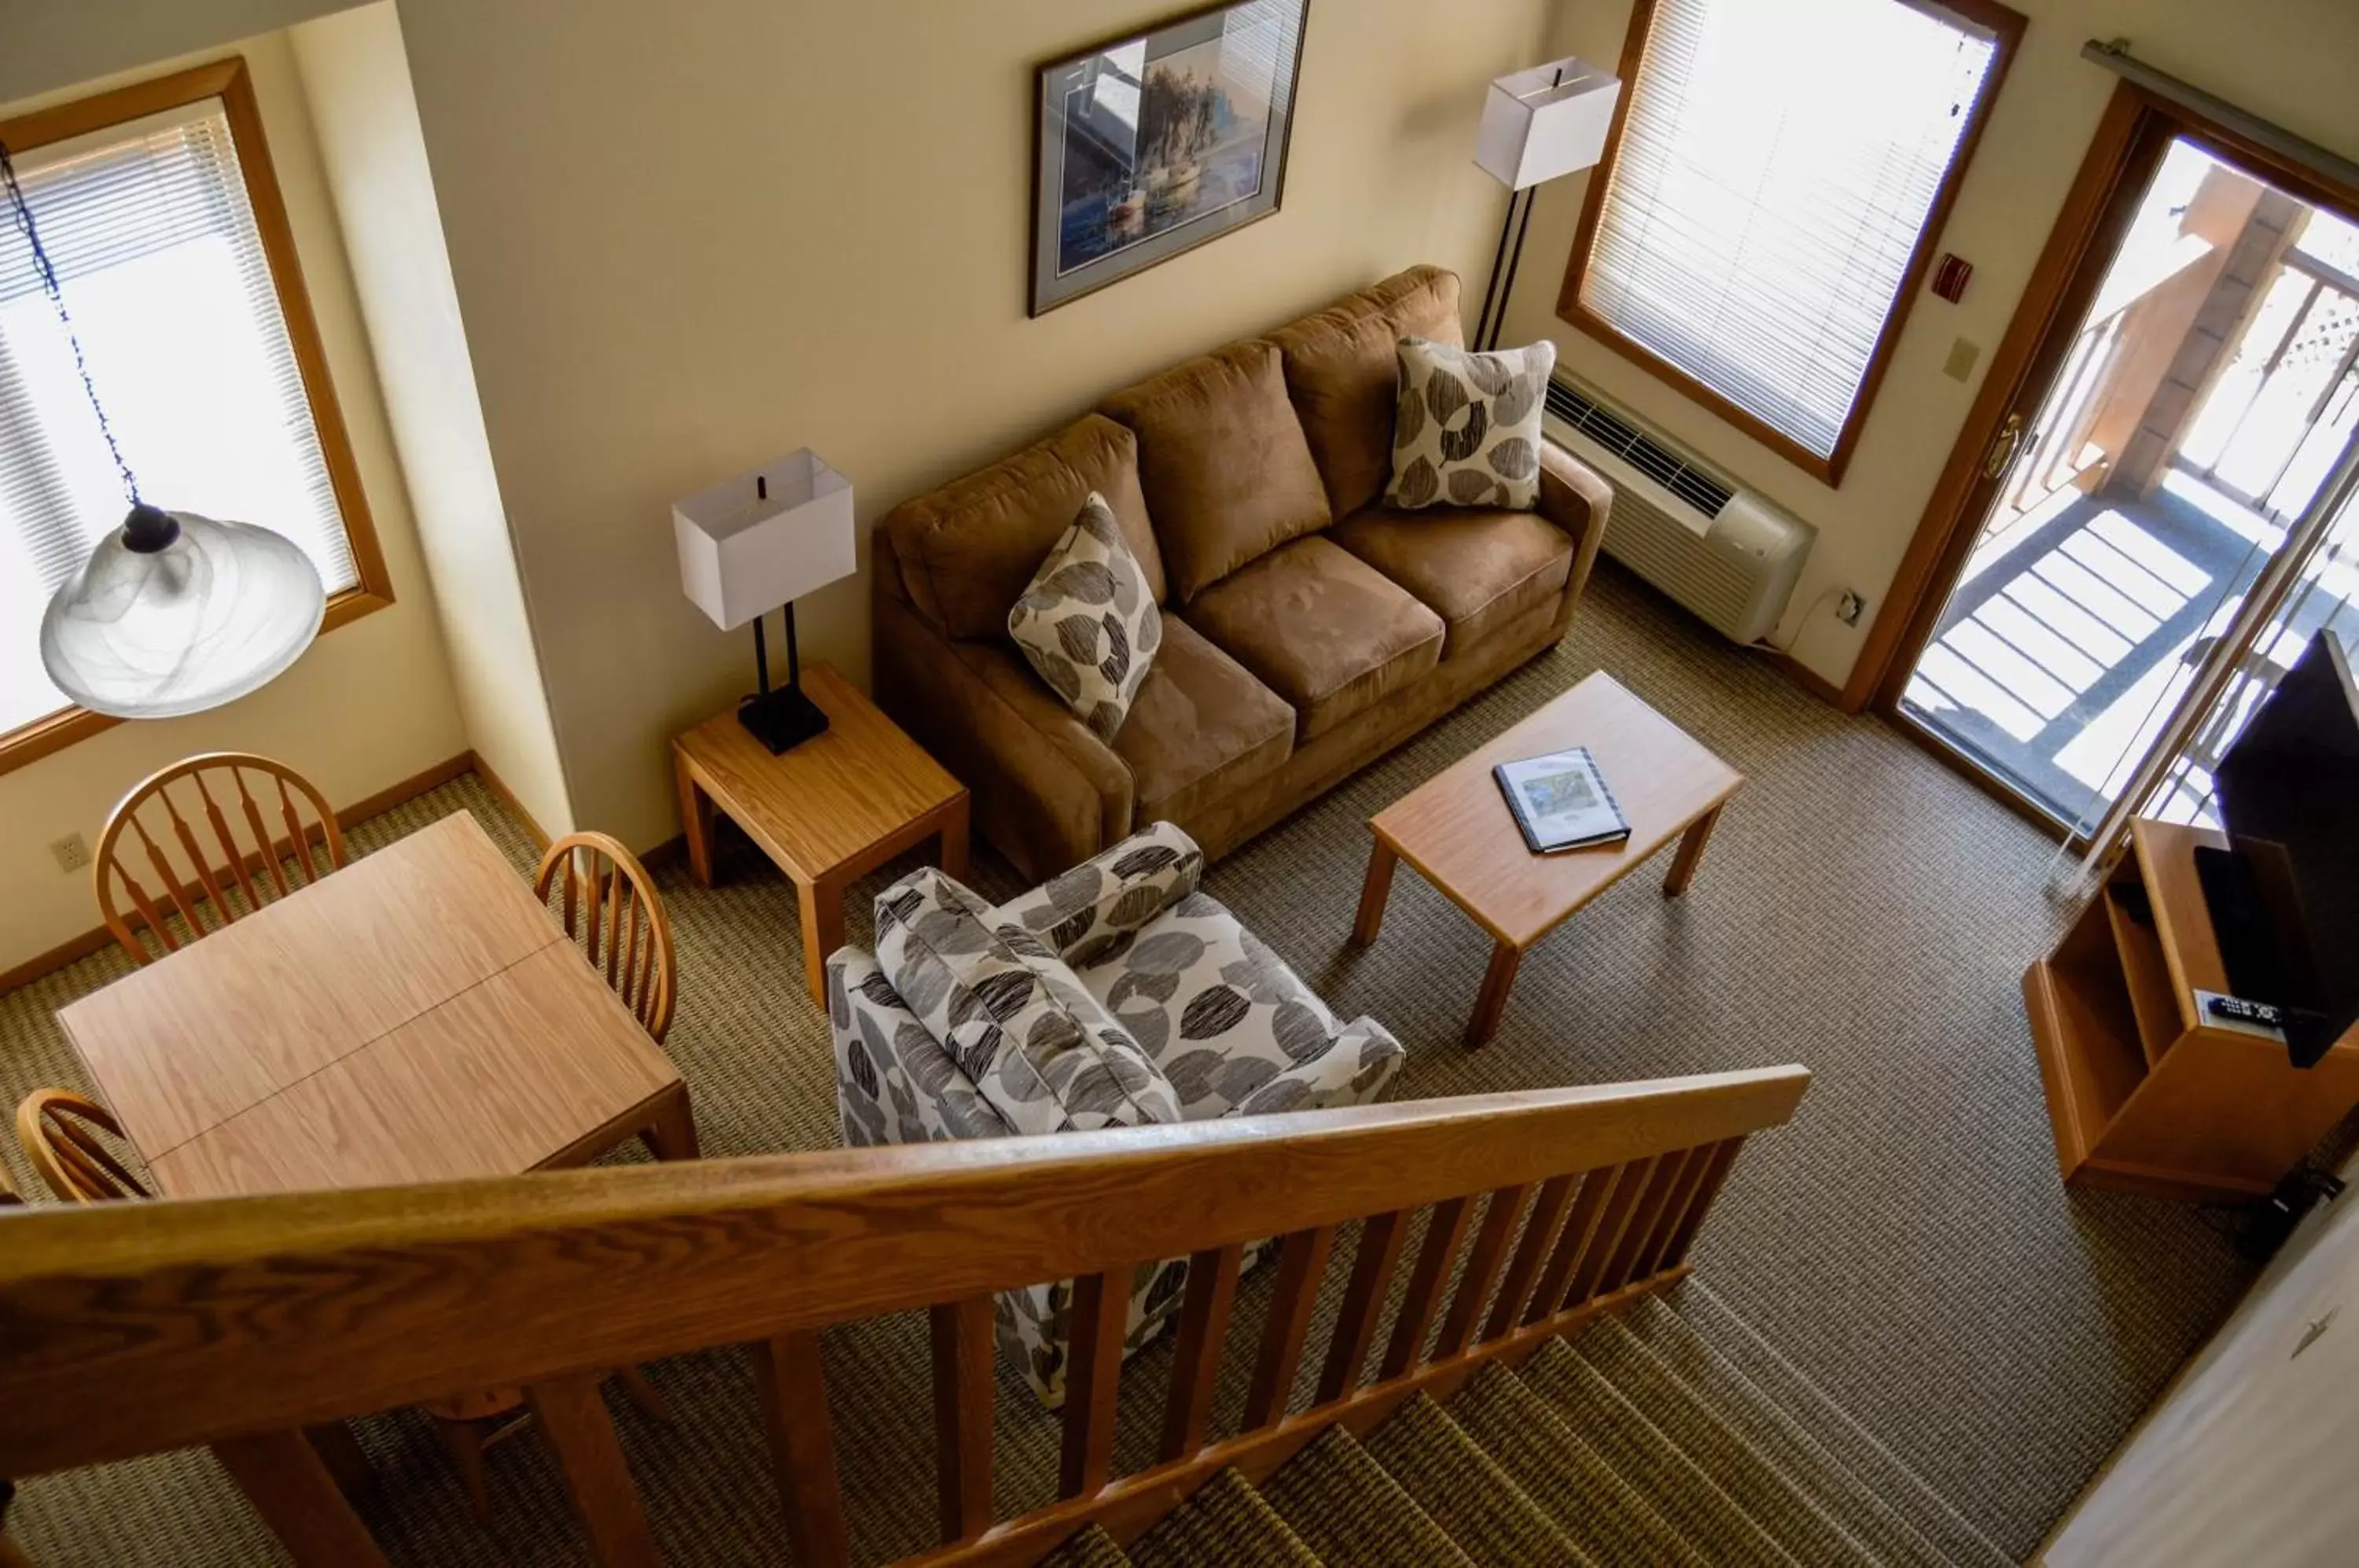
(1503, 263)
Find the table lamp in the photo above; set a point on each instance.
(1537, 126)
(762, 541)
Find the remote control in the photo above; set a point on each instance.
(2244, 1012)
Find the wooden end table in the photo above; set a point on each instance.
(1456, 830)
(827, 812)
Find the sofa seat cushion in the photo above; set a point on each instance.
(1036, 1046)
(1342, 370)
(1230, 1027)
(1322, 629)
(966, 551)
(1226, 472)
(1200, 728)
(1477, 569)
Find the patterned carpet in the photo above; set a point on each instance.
(1905, 1245)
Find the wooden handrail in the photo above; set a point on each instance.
(128, 1329)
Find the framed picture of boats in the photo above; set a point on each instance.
(1153, 143)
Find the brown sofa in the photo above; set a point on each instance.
(1307, 629)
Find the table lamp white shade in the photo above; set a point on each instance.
(1545, 122)
(743, 554)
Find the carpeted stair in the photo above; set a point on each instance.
(1669, 1436)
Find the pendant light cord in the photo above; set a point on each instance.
(23, 212)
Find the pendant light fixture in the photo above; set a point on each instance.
(173, 613)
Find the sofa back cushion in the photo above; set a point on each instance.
(1344, 374)
(1044, 1052)
(967, 550)
(1227, 472)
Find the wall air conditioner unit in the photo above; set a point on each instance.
(1723, 552)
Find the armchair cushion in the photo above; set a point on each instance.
(1038, 1047)
(1229, 1025)
(1477, 569)
(1087, 911)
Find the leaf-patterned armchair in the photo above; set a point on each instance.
(1115, 995)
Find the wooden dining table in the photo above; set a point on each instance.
(416, 1016)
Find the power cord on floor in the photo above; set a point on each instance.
(1768, 645)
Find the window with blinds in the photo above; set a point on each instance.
(1769, 197)
(152, 232)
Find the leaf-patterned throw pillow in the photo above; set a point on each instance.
(1467, 432)
(1088, 624)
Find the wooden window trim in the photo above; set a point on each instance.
(2005, 28)
(228, 81)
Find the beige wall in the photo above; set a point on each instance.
(2291, 60)
(375, 157)
(2246, 1460)
(369, 705)
(768, 225)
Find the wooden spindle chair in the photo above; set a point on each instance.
(177, 851)
(55, 1128)
(608, 903)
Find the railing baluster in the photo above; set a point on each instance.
(1301, 1263)
(573, 1417)
(1381, 1239)
(1500, 1217)
(1612, 1222)
(1675, 1209)
(1723, 1156)
(1624, 1259)
(1444, 1232)
(1597, 1189)
(293, 1490)
(963, 1394)
(1196, 1364)
(793, 1391)
(1539, 1241)
(1093, 1380)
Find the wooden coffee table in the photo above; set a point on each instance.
(1456, 830)
(827, 812)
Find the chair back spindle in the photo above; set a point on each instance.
(608, 903)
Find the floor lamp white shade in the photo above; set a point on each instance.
(175, 612)
(764, 539)
(1549, 120)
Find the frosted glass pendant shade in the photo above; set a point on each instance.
(174, 613)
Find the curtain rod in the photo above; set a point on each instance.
(2115, 57)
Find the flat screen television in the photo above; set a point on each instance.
(2284, 897)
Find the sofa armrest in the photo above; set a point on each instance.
(1081, 913)
(1576, 499)
(1047, 792)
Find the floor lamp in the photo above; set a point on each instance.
(1537, 126)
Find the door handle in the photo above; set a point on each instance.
(2002, 451)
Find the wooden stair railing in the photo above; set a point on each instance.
(134, 1328)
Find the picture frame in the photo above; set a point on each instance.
(1158, 141)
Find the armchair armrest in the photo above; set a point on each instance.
(1353, 1070)
(1047, 793)
(1576, 499)
(1081, 913)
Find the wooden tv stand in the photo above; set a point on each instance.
(2145, 1090)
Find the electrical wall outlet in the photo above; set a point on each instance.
(1848, 608)
(72, 852)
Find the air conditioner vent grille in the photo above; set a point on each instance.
(1640, 451)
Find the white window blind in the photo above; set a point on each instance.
(1776, 170)
(154, 245)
